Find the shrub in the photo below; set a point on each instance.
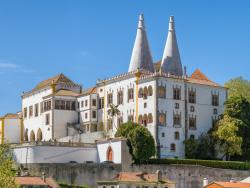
(235, 165)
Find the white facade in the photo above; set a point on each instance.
(172, 105)
(10, 129)
(75, 153)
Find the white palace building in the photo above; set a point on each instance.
(172, 105)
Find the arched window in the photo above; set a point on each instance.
(145, 120)
(32, 136)
(150, 118)
(150, 91)
(26, 135)
(172, 147)
(176, 135)
(110, 155)
(140, 93)
(145, 92)
(39, 135)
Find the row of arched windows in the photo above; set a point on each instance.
(145, 119)
(33, 137)
(145, 92)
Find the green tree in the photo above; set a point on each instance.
(113, 111)
(201, 148)
(125, 128)
(238, 87)
(143, 144)
(7, 175)
(139, 140)
(238, 107)
(226, 134)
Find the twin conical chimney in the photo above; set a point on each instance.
(171, 61)
(141, 56)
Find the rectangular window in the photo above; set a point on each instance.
(119, 121)
(62, 105)
(120, 97)
(161, 92)
(191, 96)
(82, 104)
(177, 93)
(192, 123)
(25, 112)
(176, 106)
(30, 111)
(67, 105)
(93, 102)
(86, 103)
(177, 120)
(36, 110)
(101, 103)
(47, 119)
(57, 104)
(215, 99)
(162, 119)
(93, 114)
(41, 107)
(86, 115)
(47, 105)
(110, 98)
(130, 94)
(73, 105)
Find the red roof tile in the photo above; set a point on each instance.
(230, 184)
(36, 181)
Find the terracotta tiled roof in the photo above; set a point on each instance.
(64, 92)
(10, 116)
(60, 78)
(36, 181)
(229, 184)
(138, 177)
(199, 78)
(89, 91)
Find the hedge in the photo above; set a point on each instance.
(235, 165)
(64, 185)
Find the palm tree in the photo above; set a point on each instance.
(113, 111)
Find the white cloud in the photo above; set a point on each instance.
(9, 66)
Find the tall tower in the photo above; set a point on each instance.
(141, 56)
(171, 61)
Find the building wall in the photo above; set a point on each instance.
(185, 176)
(12, 130)
(102, 149)
(34, 123)
(54, 154)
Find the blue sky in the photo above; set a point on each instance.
(87, 40)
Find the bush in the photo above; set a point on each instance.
(208, 163)
(64, 185)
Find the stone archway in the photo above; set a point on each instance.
(32, 136)
(110, 155)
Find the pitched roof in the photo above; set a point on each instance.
(88, 91)
(229, 184)
(199, 78)
(60, 78)
(36, 181)
(65, 92)
(10, 116)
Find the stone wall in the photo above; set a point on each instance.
(186, 176)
